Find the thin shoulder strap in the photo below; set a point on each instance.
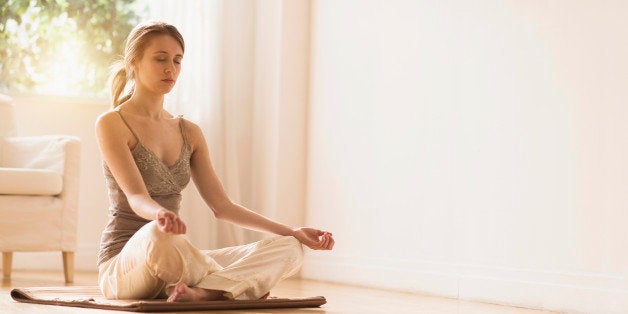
(185, 138)
(127, 124)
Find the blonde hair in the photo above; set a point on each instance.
(140, 36)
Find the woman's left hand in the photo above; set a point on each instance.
(315, 239)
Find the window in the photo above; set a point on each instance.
(62, 47)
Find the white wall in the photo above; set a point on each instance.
(473, 149)
(50, 115)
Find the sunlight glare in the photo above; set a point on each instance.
(65, 74)
(64, 66)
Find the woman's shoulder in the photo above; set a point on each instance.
(193, 132)
(107, 118)
(109, 122)
(190, 127)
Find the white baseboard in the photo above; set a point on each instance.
(563, 292)
(84, 259)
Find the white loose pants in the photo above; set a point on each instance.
(152, 260)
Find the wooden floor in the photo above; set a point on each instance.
(340, 298)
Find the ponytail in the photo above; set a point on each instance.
(119, 78)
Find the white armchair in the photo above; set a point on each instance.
(39, 183)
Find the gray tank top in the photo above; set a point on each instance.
(164, 185)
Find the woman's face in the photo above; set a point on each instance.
(160, 65)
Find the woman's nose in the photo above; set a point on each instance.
(169, 68)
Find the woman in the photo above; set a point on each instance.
(149, 156)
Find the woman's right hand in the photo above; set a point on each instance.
(168, 222)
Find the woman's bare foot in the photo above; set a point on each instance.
(182, 293)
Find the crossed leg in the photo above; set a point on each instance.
(153, 263)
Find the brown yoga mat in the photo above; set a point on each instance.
(90, 297)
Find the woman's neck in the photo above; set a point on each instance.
(150, 106)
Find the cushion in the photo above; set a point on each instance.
(36, 152)
(21, 181)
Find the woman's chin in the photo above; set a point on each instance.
(165, 89)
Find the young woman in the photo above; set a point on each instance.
(149, 157)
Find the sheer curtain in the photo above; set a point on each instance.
(244, 81)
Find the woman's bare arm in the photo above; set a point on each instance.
(214, 194)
